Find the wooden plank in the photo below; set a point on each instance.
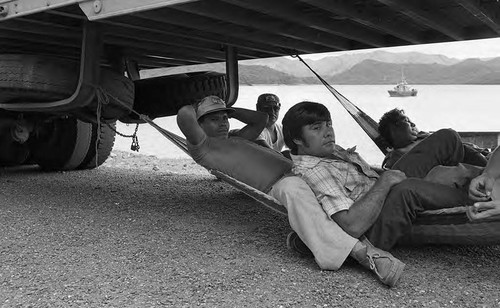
(8, 35)
(430, 18)
(33, 26)
(269, 23)
(230, 32)
(156, 48)
(161, 27)
(327, 24)
(373, 18)
(167, 54)
(153, 62)
(485, 15)
(139, 35)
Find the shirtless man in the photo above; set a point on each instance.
(206, 127)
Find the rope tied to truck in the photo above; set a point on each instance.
(369, 125)
(103, 98)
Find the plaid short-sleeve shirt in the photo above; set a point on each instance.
(337, 181)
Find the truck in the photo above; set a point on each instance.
(70, 69)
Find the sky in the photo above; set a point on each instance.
(486, 48)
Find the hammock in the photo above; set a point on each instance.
(259, 196)
(446, 226)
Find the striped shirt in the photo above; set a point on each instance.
(337, 181)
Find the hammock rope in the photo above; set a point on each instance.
(264, 199)
(174, 138)
(369, 125)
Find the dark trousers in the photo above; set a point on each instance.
(474, 156)
(413, 195)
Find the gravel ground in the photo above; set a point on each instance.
(143, 232)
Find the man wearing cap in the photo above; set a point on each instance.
(206, 128)
(272, 135)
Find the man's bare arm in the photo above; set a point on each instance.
(256, 121)
(362, 214)
(187, 122)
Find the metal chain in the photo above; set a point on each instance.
(102, 96)
(135, 140)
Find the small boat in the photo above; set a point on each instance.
(402, 89)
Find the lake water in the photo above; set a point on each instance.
(461, 107)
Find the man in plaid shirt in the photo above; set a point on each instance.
(375, 206)
(345, 168)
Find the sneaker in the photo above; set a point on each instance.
(293, 242)
(387, 268)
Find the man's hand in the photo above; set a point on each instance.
(195, 106)
(255, 120)
(482, 210)
(480, 188)
(392, 177)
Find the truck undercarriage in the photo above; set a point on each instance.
(70, 69)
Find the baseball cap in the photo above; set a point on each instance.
(268, 97)
(211, 104)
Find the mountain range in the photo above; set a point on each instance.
(377, 67)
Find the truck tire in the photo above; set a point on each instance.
(64, 143)
(27, 78)
(101, 147)
(165, 95)
(31, 78)
(68, 144)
